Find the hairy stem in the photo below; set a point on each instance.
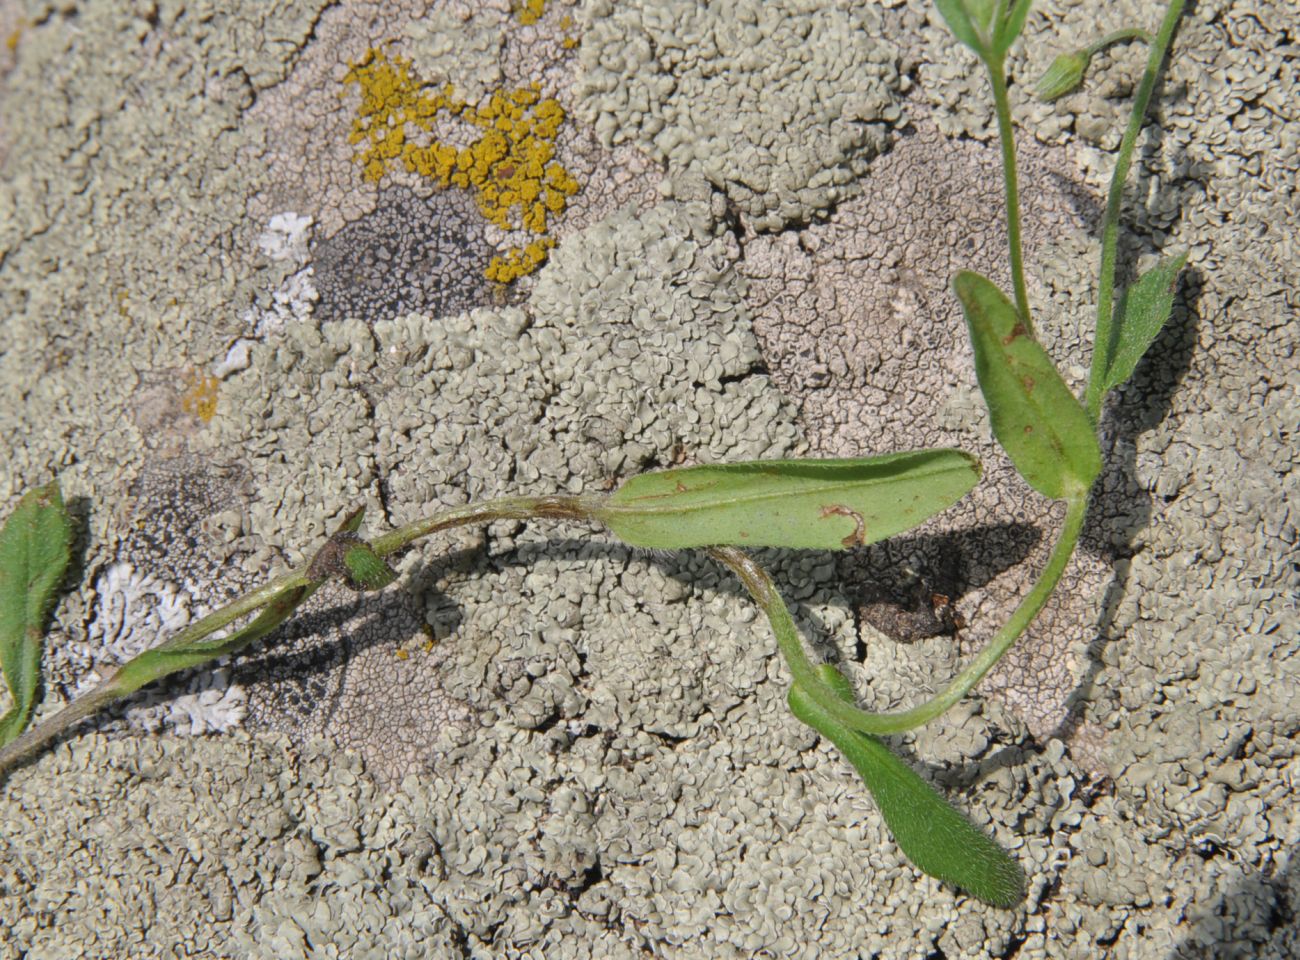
(1017, 623)
(1118, 36)
(1114, 200)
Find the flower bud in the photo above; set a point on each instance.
(1065, 73)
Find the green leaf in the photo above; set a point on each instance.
(34, 553)
(352, 522)
(959, 22)
(1142, 312)
(366, 570)
(981, 13)
(1011, 25)
(933, 834)
(1042, 426)
(811, 504)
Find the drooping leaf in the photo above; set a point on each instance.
(812, 504)
(1012, 24)
(34, 552)
(1042, 426)
(1142, 312)
(934, 835)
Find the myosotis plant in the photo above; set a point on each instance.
(1048, 433)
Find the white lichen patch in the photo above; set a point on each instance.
(285, 241)
(286, 237)
(135, 611)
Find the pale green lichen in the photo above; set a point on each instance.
(1188, 848)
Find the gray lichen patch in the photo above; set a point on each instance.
(634, 345)
(120, 251)
(303, 425)
(627, 781)
(346, 669)
(165, 846)
(411, 254)
(779, 105)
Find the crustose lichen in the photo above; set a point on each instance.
(509, 166)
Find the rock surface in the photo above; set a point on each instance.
(541, 743)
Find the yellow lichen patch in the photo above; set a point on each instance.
(509, 166)
(200, 396)
(519, 261)
(529, 11)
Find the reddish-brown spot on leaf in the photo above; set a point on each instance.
(1018, 330)
(859, 535)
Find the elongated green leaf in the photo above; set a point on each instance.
(934, 835)
(1142, 312)
(1011, 26)
(812, 504)
(959, 22)
(181, 653)
(34, 552)
(1039, 422)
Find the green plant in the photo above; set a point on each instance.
(1048, 433)
(807, 504)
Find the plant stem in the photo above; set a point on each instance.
(1105, 332)
(805, 675)
(760, 586)
(505, 508)
(1119, 36)
(1006, 137)
(1021, 617)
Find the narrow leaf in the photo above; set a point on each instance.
(959, 22)
(1142, 312)
(34, 552)
(1011, 26)
(352, 522)
(811, 504)
(934, 835)
(182, 653)
(1037, 420)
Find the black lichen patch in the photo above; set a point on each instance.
(172, 499)
(410, 254)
